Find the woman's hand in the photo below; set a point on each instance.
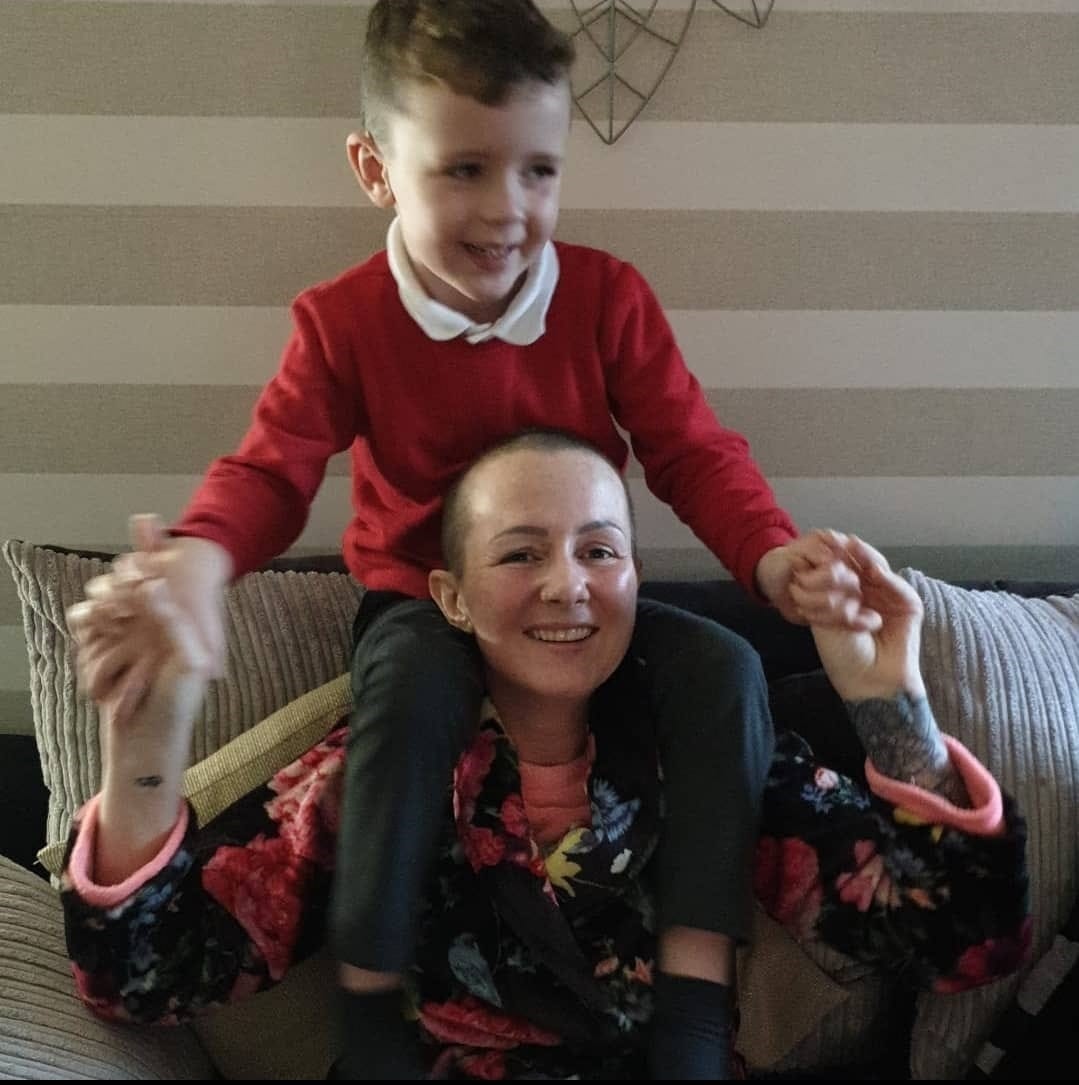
(117, 661)
(877, 662)
(138, 651)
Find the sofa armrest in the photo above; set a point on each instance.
(45, 1031)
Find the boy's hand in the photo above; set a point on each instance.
(829, 591)
(196, 572)
(880, 662)
(115, 662)
(135, 646)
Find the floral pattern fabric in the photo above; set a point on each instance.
(536, 961)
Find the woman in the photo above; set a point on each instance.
(538, 943)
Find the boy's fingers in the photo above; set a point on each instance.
(832, 577)
(146, 531)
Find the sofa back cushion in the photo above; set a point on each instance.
(287, 632)
(1002, 675)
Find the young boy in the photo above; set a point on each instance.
(471, 325)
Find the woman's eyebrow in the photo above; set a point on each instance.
(596, 525)
(520, 529)
(541, 532)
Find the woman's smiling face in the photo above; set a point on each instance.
(549, 580)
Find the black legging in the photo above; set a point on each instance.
(417, 688)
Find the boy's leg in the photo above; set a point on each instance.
(417, 688)
(709, 700)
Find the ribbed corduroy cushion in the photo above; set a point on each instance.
(1002, 675)
(45, 1031)
(287, 633)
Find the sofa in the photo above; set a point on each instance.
(1001, 661)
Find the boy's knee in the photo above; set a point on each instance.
(697, 649)
(414, 643)
(415, 676)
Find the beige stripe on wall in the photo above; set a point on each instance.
(116, 429)
(695, 259)
(892, 511)
(268, 61)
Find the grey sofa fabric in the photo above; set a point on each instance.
(45, 1031)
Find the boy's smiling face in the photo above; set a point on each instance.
(475, 187)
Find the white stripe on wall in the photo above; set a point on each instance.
(175, 345)
(888, 511)
(659, 165)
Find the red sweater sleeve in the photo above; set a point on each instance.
(255, 502)
(704, 471)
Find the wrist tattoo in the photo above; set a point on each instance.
(903, 741)
(148, 781)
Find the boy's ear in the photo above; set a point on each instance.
(369, 166)
(446, 593)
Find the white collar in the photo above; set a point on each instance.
(521, 324)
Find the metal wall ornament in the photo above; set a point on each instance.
(623, 56)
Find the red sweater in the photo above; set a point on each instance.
(359, 372)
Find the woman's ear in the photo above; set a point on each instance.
(446, 592)
(369, 166)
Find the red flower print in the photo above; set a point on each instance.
(490, 1066)
(262, 886)
(471, 770)
(308, 803)
(482, 847)
(99, 995)
(985, 962)
(470, 1022)
(786, 880)
(513, 816)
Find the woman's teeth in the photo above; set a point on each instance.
(580, 632)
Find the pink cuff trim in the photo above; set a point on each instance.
(81, 864)
(984, 818)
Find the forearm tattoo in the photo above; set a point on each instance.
(147, 781)
(903, 741)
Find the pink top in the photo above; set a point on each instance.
(556, 796)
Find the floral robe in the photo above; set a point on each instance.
(535, 962)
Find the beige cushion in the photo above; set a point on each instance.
(45, 1031)
(287, 633)
(1002, 675)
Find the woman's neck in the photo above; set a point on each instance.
(544, 732)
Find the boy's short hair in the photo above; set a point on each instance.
(533, 439)
(478, 48)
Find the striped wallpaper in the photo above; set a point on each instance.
(863, 220)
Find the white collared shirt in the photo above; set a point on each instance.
(521, 324)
